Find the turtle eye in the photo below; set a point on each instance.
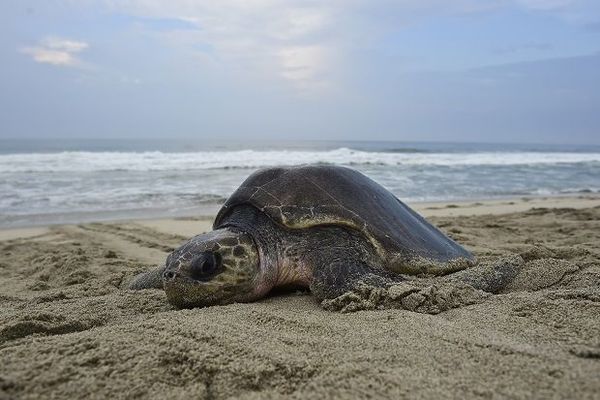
(205, 265)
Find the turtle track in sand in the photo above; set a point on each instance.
(127, 240)
(138, 234)
(71, 270)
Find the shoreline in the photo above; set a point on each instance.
(189, 224)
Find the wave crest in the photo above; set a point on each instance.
(83, 161)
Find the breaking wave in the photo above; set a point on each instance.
(83, 161)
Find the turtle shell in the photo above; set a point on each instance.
(307, 196)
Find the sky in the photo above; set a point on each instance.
(406, 70)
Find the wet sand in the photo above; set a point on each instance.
(69, 329)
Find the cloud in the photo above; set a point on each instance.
(56, 51)
(303, 43)
(291, 40)
(300, 42)
(303, 65)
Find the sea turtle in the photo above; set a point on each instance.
(329, 228)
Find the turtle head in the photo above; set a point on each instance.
(218, 267)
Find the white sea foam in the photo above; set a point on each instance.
(62, 187)
(81, 161)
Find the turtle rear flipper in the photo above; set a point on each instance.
(491, 277)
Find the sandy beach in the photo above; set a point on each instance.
(70, 329)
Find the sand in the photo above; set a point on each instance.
(69, 329)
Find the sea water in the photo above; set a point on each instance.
(58, 181)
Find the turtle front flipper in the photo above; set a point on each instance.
(352, 286)
(152, 279)
(333, 280)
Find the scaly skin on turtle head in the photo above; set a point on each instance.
(218, 267)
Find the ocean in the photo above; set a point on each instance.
(67, 181)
